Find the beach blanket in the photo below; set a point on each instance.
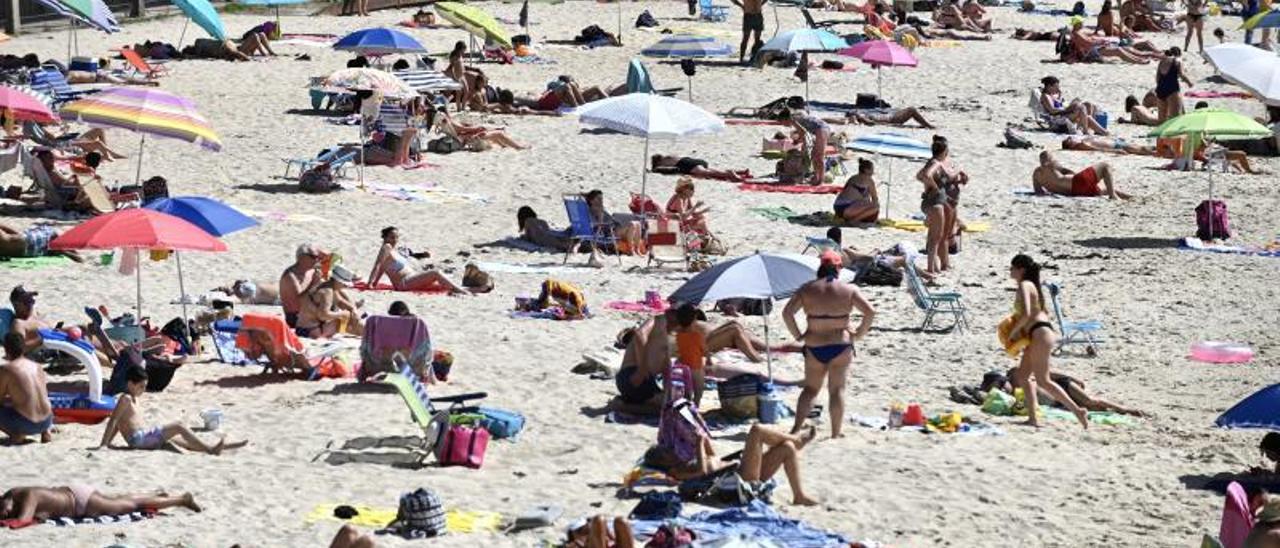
(456, 521)
(791, 189)
(33, 263)
(1196, 244)
(1211, 94)
(1029, 192)
(882, 423)
(426, 194)
(282, 217)
(66, 522)
(917, 225)
(778, 213)
(545, 314)
(363, 286)
(515, 242)
(756, 522)
(822, 218)
(506, 268)
(1105, 418)
(637, 306)
(534, 60)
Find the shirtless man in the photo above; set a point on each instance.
(752, 23)
(27, 411)
(26, 322)
(22, 506)
(300, 279)
(828, 304)
(1106, 144)
(1052, 178)
(647, 355)
(31, 242)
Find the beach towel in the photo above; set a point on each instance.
(1029, 192)
(515, 242)
(757, 522)
(778, 213)
(427, 194)
(1196, 244)
(882, 423)
(754, 122)
(33, 263)
(637, 306)
(552, 313)
(506, 268)
(791, 189)
(1237, 520)
(941, 44)
(1211, 94)
(275, 326)
(1105, 418)
(643, 476)
(363, 286)
(373, 517)
(280, 216)
(225, 344)
(66, 522)
(816, 219)
(313, 40)
(917, 225)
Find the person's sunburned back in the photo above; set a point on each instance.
(23, 383)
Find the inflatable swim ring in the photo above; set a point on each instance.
(79, 408)
(82, 351)
(1221, 352)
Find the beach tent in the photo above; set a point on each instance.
(1261, 410)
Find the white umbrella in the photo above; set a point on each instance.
(771, 276)
(1251, 68)
(893, 145)
(650, 116)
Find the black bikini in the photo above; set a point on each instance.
(1038, 325)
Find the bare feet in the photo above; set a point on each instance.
(1030, 422)
(46, 437)
(1083, 417)
(809, 433)
(189, 501)
(801, 500)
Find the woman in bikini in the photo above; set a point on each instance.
(458, 71)
(404, 274)
(939, 202)
(692, 215)
(1197, 10)
(1139, 114)
(23, 505)
(1032, 322)
(828, 337)
(858, 201)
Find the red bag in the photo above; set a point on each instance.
(641, 204)
(463, 446)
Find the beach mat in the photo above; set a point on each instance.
(282, 217)
(67, 522)
(636, 306)
(755, 524)
(363, 286)
(790, 189)
(1211, 94)
(517, 243)
(33, 263)
(1196, 244)
(916, 225)
(456, 521)
(1028, 192)
(754, 122)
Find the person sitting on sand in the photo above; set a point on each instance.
(261, 293)
(949, 16)
(1115, 145)
(647, 355)
(126, 422)
(691, 346)
(1094, 49)
(535, 230)
(692, 215)
(1074, 388)
(320, 316)
(1139, 114)
(1138, 16)
(1270, 449)
(32, 241)
(976, 14)
(765, 451)
(21, 506)
(24, 397)
(405, 274)
(1050, 177)
(684, 165)
(1077, 115)
(858, 202)
(1266, 531)
(626, 228)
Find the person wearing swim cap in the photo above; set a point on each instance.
(828, 304)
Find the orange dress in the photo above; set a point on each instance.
(691, 349)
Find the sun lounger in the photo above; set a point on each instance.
(91, 197)
(338, 159)
(1073, 332)
(282, 337)
(1050, 122)
(386, 336)
(582, 229)
(141, 66)
(51, 82)
(422, 408)
(827, 24)
(662, 235)
(935, 303)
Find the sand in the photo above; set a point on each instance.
(1060, 486)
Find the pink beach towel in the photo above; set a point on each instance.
(791, 189)
(636, 306)
(362, 286)
(1236, 519)
(1210, 94)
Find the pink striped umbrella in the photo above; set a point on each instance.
(881, 53)
(24, 106)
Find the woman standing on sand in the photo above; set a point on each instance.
(1032, 322)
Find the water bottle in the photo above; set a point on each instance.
(895, 414)
(770, 403)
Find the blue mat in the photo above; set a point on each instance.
(756, 522)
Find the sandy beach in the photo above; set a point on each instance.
(313, 443)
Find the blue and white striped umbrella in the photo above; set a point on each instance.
(796, 41)
(685, 45)
(891, 144)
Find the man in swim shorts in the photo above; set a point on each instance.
(1050, 177)
(648, 352)
(30, 242)
(22, 384)
(752, 22)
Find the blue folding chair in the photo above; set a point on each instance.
(1085, 332)
(336, 158)
(583, 229)
(51, 82)
(639, 81)
(935, 303)
(712, 12)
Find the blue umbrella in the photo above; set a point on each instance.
(210, 215)
(1261, 410)
(202, 12)
(684, 45)
(893, 145)
(379, 41)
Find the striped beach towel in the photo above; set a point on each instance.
(424, 81)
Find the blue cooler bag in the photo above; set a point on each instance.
(501, 423)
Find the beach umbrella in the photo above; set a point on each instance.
(475, 21)
(214, 217)
(804, 41)
(650, 116)
(367, 79)
(687, 46)
(1261, 410)
(138, 229)
(92, 13)
(1248, 67)
(767, 276)
(893, 145)
(21, 105)
(1209, 122)
(273, 3)
(145, 111)
(379, 41)
(207, 18)
(879, 54)
(1264, 20)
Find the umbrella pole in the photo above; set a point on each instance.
(888, 191)
(879, 91)
(137, 276)
(183, 36)
(182, 289)
(690, 78)
(360, 172)
(619, 21)
(137, 178)
(768, 346)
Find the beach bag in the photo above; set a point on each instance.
(463, 446)
(878, 273)
(589, 34)
(658, 505)
(792, 168)
(681, 429)
(420, 514)
(998, 403)
(501, 423)
(1221, 225)
(732, 490)
(831, 64)
(641, 204)
(317, 180)
(739, 397)
(646, 19)
(444, 145)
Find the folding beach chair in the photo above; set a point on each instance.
(818, 244)
(712, 12)
(1056, 124)
(386, 336)
(665, 233)
(1085, 332)
(223, 333)
(582, 229)
(141, 66)
(50, 81)
(337, 158)
(422, 408)
(639, 81)
(935, 303)
(827, 24)
(282, 337)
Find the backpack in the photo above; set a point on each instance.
(646, 19)
(681, 429)
(421, 514)
(1062, 46)
(792, 168)
(317, 180)
(878, 274)
(444, 145)
(1220, 228)
(463, 446)
(589, 34)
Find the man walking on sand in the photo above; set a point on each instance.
(752, 21)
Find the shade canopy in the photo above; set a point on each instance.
(475, 21)
(25, 106)
(1261, 410)
(760, 276)
(687, 46)
(356, 79)
(212, 216)
(93, 13)
(147, 111)
(1211, 122)
(202, 14)
(137, 228)
(379, 41)
(1251, 68)
(796, 41)
(650, 115)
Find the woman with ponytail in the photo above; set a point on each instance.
(828, 304)
(1032, 322)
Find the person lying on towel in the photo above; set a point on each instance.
(1050, 177)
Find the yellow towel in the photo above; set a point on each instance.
(912, 225)
(941, 44)
(1011, 348)
(457, 521)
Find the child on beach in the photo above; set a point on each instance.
(124, 420)
(691, 347)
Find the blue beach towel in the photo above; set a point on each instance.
(756, 521)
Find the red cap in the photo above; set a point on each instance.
(832, 257)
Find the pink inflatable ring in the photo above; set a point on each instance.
(1221, 352)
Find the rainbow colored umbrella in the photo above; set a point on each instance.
(145, 111)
